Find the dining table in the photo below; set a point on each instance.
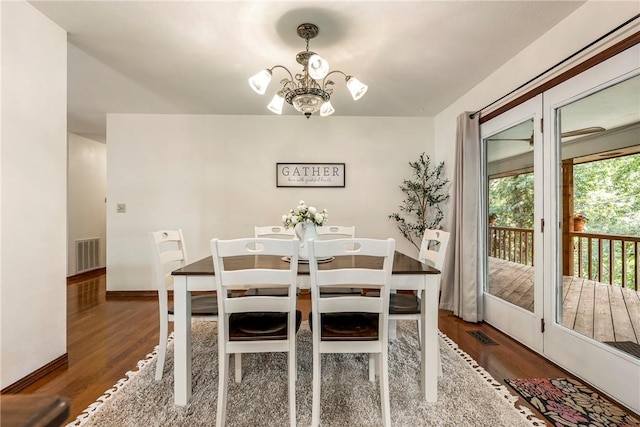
(408, 274)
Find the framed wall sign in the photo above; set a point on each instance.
(310, 174)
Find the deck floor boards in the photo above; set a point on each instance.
(632, 302)
(602, 319)
(584, 316)
(597, 310)
(622, 327)
(571, 301)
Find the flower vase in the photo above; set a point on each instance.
(304, 232)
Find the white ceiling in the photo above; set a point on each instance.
(195, 57)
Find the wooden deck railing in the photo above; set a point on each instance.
(605, 258)
(511, 244)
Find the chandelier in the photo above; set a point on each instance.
(309, 91)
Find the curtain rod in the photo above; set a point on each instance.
(558, 64)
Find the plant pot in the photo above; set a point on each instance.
(578, 225)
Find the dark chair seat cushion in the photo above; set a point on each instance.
(260, 326)
(202, 305)
(404, 304)
(348, 326)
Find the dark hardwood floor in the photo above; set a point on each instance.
(105, 339)
(107, 336)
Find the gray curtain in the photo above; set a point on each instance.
(461, 285)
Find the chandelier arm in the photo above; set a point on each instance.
(284, 68)
(334, 71)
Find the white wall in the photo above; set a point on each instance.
(214, 176)
(34, 169)
(87, 190)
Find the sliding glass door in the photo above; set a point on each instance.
(513, 205)
(592, 303)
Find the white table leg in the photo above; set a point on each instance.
(429, 348)
(392, 324)
(392, 330)
(182, 341)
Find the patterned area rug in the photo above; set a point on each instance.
(566, 402)
(467, 395)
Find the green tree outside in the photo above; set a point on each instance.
(608, 193)
(511, 200)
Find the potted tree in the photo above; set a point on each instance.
(426, 192)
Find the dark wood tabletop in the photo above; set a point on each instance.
(402, 264)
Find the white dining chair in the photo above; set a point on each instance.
(272, 232)
(255, 324)
(351, 323)
(170, 253)
(402, 306)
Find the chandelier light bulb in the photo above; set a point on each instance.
(318, 67)
(260, 81)
(356, 87)
(326, 109)
(276, 104)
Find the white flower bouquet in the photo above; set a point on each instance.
(304, 214)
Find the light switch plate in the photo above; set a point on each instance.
(121, 208)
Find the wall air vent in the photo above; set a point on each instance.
(87, 255)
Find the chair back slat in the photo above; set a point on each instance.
(171, 256)
(257, 304)
(162, 236)
(326, 232)
(352, 276)
(258, 277)
(431, 240)
(273, 231)
(253, 246)
(349, 247)
(355, 304)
